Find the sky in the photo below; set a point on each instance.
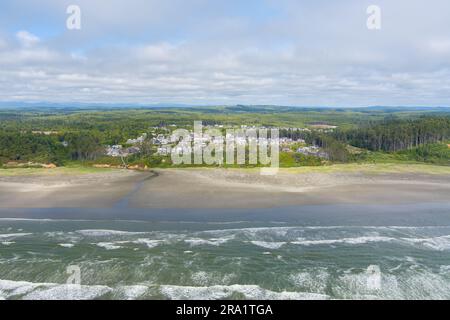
(225, 52)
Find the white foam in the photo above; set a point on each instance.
(251, 292)
(16, 288)
(50, 291)
(268, 245)
(67, 292)
(148, 242)
(315, 280)
(64, 236)
(13, 235)
(211, 242)
(66, 245)
(436, 243)
(103, 233)
(108, 245)
(412, 284)
(281, 230)
(201, 278)
(130, 292)
(356, 240)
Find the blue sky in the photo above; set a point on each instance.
(286, 52)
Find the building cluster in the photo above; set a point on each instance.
(166, 143)
(313, 151)
(137, 140)
(119, 151)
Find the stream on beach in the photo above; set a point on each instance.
(307, 252)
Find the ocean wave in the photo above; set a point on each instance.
(105, 232)
(203, 278)
(356, 240)
(440, 243)
(277, 229)
(130, 292)
(323, 235)
(13, 235)
(212, 242)
(411, 284)
(109, 245)
(9, 288)
(150, 243)
(250, 230)
(268, 245)
(67, 291)
(113, 245)
(50, 291)
(251, 292)
(435, 243)
(66, 245)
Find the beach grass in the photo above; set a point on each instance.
(67, 170)
(366, 168)
(378, 168)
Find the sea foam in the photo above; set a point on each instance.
(251, 292)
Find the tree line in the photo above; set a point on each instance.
(28, 146)
(394, 135)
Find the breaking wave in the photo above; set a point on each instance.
(251, 292)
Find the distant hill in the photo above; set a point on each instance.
(215, 108)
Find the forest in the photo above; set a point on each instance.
(65, 135)
(396, 135)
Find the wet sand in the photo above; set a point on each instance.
(219, 188)
(92, 190)
(212, 188)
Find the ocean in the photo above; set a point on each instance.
(308, 252)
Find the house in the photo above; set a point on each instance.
(131, 150)
(114, 151)
(164, 150)
(313, 151)
(137, 140)
(161, 140)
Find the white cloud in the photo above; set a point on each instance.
(440, 46)
(206, 52)
(27, 39)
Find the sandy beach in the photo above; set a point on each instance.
(61, 190)
(210, 188)
(219, 188)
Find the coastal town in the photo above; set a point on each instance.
(163, 142)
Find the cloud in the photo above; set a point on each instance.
(27, 39)
(227, 52)
(440, 46)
